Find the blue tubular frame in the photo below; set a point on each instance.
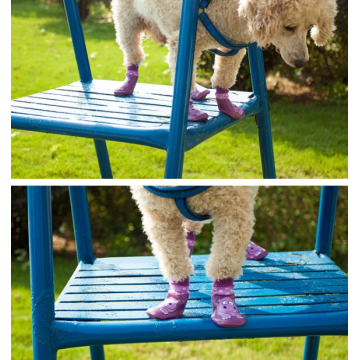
(103, 159)
(176, 142)
(182, 85)
(262, 119)
(83, 239)
(82, 60)
(326, 220)
(97, 352)
(81, 220)
(77, 36)
(323, 246)
(50, 335)
(41, 271)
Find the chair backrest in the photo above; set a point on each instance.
(77, 36)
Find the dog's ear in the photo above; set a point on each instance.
(323, 29)
(263, 19)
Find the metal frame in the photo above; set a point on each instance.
(176, 144)
(50, 335)
(323, 246)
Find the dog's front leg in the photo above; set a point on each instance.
(163, 224)
(224, 77)
(233, 227)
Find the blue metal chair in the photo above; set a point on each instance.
(300, 293)
(89, 109)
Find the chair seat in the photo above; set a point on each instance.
(286, 294)
(91, 110)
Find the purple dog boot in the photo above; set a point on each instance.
(199, 94)
(174, 304)
(255, 252)
(225, 312)
(171, 308)
(190, 239)
(226, 106)
(195, 114)
(128, 86)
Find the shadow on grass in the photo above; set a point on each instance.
(58, 23)
(320, 126)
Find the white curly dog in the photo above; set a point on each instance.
(283, 23)
(231, 210)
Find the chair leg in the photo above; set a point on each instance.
(97, 352)
(103, 159)
(174, 163)
(41, 271)
(263, 119)
(182, 87)
(44, 353)
(311, 348)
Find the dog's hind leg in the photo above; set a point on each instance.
(192, 228)
(224, 77)
(194, 114)
(129, 35)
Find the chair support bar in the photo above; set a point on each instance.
(81, 220)
(77, 36)
(326, 220)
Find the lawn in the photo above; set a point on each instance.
(331, 347)
(310, 140)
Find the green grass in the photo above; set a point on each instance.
(331, 347)
(310, 141)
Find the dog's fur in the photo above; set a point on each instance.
(231, 209)
(241, 21)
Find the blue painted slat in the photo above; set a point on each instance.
(100, 116)
(158, 92)
(144, 105)
(100, 105)
(150, 99)
(165, 90)
(117, 277)
(283, 284)
(85, 119)
(277, 259)
(197, 304)
(70, 119)
(202, 313)
(100, 124)
(86, 104)
(205, 294)
(200, 271)
(34, 117)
